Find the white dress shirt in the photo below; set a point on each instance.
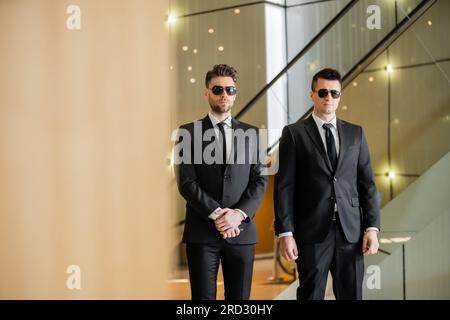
(228, 132)
(319, 122)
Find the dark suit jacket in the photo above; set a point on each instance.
(205, 188)
(306, 187)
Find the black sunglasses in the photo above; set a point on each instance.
(218, 90)
(322, 93)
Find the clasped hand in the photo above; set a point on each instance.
(228, 223)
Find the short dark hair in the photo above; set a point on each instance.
(220, 70)
(327, 74)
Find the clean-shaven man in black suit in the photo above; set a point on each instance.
(223, 184)
(326, 202)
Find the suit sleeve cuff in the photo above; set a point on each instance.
(242, 212)
(215, 214)
(373, 228)
(285, 234)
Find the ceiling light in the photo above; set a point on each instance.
(389, 68)
(171, 19)
(391, 174)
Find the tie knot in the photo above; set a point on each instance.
(221, 127)
(327, 126)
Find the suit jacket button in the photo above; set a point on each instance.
(332, 198)
(226, 176)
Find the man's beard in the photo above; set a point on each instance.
(220, 109)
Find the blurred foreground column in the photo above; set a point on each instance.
(84, 138)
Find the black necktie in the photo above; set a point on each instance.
(331, 146)
(223, 142)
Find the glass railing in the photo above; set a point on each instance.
(419, 265)
(405, 111)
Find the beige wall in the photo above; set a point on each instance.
(79, 160)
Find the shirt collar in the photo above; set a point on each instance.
(319, 122)
(214, 120)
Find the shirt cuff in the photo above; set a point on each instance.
(241, 212)
(215, 214)
(373, 228)
(285, 234)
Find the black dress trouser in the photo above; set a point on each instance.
(237, 268)
(345, 261)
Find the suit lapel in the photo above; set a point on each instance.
(313, 132)
(343, 142)
(207, 124)
(235, 124)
